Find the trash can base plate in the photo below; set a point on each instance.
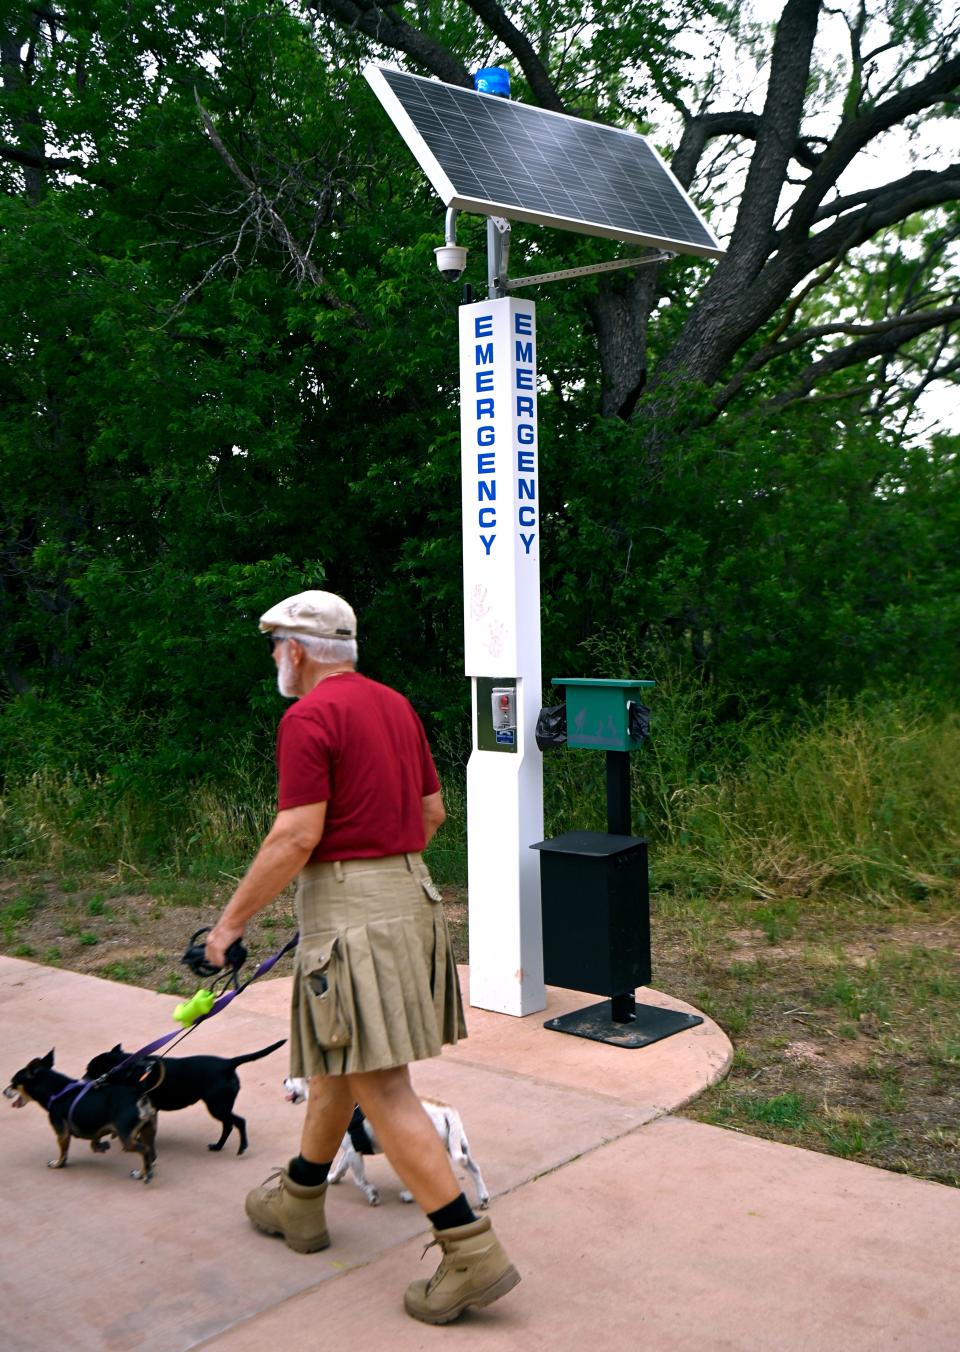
(652, 1023)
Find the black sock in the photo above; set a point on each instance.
(306, 1173)
(457, 1212)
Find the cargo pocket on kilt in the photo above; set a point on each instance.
(323, 974)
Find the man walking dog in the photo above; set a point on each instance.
(375, 985)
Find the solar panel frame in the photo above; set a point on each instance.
(472, 193)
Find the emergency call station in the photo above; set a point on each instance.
(510, 161)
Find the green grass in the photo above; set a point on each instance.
(131, 972)
(846, 1133)
(852, 1135)
(854, 1055)
(786, 1112)
(858, 994)
(733, 1015)
(778, 920)
(15, 912)
(945, 1054)
(783, 1110)
(852, 800)
(890, 1079)
(855, 800)
(181, 891)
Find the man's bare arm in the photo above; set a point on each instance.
(434, 815)
(287, 847)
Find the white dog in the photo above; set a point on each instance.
(360, 1140)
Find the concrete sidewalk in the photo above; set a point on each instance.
(630, 1226)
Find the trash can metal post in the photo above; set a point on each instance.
(618, 793)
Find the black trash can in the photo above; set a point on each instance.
(595, 896)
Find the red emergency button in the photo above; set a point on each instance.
(504, 701)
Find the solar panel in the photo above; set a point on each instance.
(499, 158)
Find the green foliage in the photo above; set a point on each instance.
(786, 558)
(189, 429)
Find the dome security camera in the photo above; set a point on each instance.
(451, 261)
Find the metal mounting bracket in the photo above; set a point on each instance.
(589, 270)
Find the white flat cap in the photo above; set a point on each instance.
(317, 613)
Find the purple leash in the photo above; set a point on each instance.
(221, 1002)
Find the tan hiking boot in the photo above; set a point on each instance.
(290, 1210)
(474, 1270)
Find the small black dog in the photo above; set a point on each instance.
(171, 1083)
(89, 1114)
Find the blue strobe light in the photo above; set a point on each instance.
(493, 80)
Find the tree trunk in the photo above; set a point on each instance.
(29, 127)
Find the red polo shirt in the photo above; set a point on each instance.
(357, 746)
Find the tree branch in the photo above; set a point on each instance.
(707, 349)
(934, 371)
(262, 208)
(839, 205)
(917, 192)
(389, 30)
(16, 78)
(887, 337)
(31, 159)
(49, 15)
(703, 127)
(828, 397)
(942, 81)
(923, 318)
(916, 321)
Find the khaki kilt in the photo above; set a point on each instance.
(375, 984)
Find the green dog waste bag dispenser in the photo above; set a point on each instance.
(594, 885)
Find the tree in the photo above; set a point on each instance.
(185, 422)
(834, 309)
(229, 367)
(793, 228)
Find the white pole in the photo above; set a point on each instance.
(501, 596)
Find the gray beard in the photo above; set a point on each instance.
(285, 678)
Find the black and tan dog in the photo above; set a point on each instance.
(89, 1113)
(172, 1083)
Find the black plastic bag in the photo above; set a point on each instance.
(638, 721)
(552, 727)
